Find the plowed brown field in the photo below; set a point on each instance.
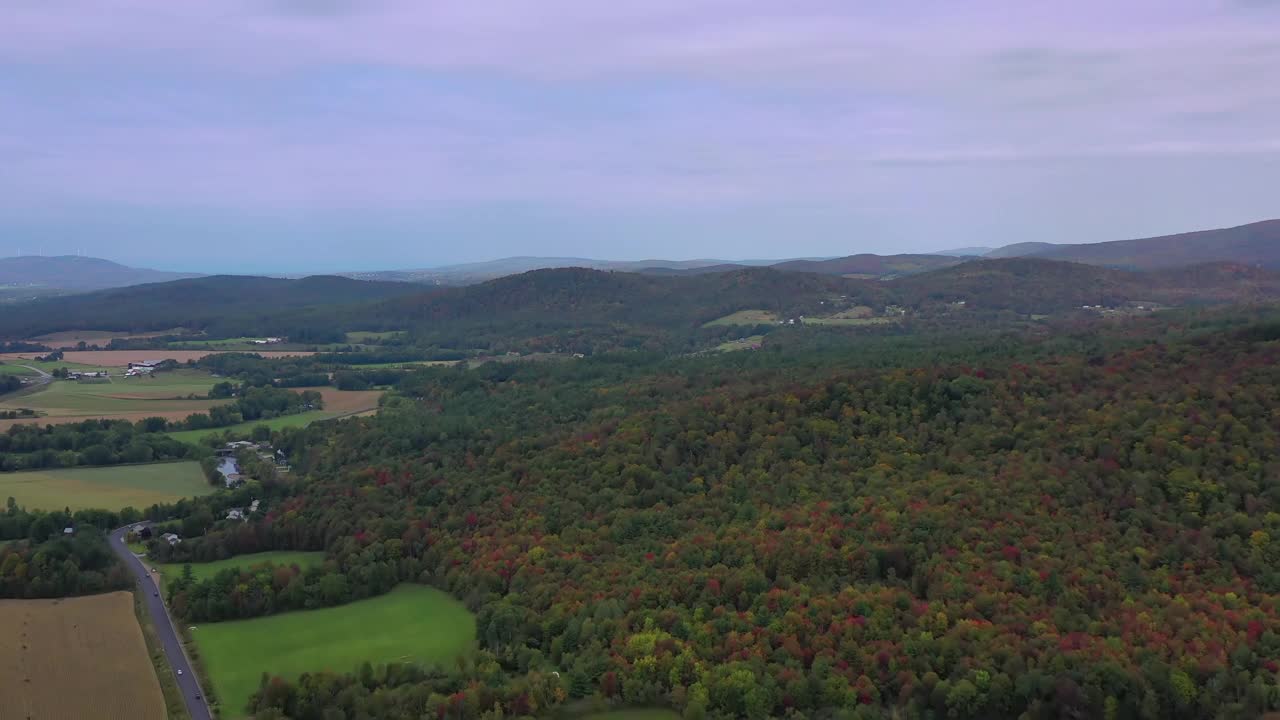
(76, 658)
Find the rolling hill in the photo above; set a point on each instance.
(234, 303)
(1253, 244)
(74, 273)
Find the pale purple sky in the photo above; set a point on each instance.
(253, 135)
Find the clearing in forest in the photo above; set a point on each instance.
(412, 623)
(745, 317)
(78, 657)
(337, 403)
(110, 488)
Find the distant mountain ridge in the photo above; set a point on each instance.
(1253, 244)
(75, 273)
(204, 303)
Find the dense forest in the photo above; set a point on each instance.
(1079, 525)
(39, 560)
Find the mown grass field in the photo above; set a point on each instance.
(745, 317)
(111, 488)
(204, 571)
(79, 657)
(337, 403)
(412, 623)
(163, 394)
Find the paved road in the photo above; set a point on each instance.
(187, 682)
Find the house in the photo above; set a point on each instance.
(268, 341)
(253, 506)
(68, 531)
(171, 538)
(236, 514)
(145, 364)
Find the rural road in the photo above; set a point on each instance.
(197, 707)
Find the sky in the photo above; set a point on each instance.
(328, 135)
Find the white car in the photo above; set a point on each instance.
(179, 671)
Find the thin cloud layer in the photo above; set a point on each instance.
(626, 128)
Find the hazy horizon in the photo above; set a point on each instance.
(287, 136)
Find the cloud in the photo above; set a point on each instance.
(661, 106)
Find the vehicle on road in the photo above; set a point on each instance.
(179, 671)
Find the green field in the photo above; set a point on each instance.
(279, 423)
(849, 321)
(412, 623)
(110, 488)
(364, 336)
(7, 369)
(163, 394)
(745, 317)
(205, 571)
(745, 343)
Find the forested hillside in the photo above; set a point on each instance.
(1255, 244)
(583, 310)
(1081, 526)
(222, 304)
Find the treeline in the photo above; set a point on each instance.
(1091, 534)
(90, 442)
(400, 690)
(80, 564)
(38, 560)
(251, 403)
(10, 383)
(265, 589)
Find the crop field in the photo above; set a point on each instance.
(163, 395)
(745, 317)
(412, 623)
(76, 658)
(111, 488)
(337, 403)
(204, 571)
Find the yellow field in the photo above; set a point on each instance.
(76, 658)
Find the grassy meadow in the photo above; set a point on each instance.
(364, 336)
(745, 343)
(164, 394)
(411, 623)
(112, 488)
(337, 403)
(745, 317)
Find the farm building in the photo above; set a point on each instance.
(171, 538)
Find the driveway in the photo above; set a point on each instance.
(188, 684)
